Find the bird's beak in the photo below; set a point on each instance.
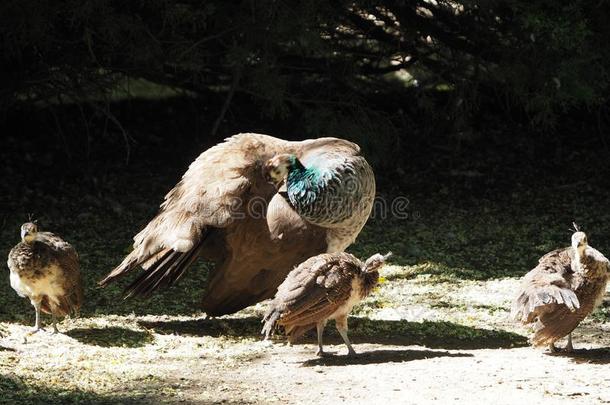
(270, 179)
(276, 183)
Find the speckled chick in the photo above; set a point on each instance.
(45, 268)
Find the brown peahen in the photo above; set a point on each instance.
(256, 206)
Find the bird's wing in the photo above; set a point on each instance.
(17, 261)
(554, 254)
(210, 194)
(314, 293)
(545, 287)
(63, 254)
(599, 259)
(61, 250)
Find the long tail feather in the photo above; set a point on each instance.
(164, 273)
(130, 262)
(270, 321)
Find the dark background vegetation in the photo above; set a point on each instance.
(491, 117)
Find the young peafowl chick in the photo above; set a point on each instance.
(565, 287)
(44, 268)
(323, 287)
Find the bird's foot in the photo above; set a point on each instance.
(351, 352)
(569, 348)
(321, 353)
(266, 343)
(552, 348)
(31, 333)
(35, 330)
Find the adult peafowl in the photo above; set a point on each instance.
(256, 206)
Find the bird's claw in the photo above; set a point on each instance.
(35, 330)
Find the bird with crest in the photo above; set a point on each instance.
(45, 269)
(322, 288)
(561, 291)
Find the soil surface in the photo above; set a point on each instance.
(463, 349)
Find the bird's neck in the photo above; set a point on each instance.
(29, 239)
(302, 183)
(580, 257)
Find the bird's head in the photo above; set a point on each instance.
(28, 231)
(374, 262)
(579, 241)
(277, 168)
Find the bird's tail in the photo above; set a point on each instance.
(162, 270)
(374, 262)
(162, 274)
(270, 321)
(130, 262)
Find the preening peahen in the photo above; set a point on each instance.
(256, 206)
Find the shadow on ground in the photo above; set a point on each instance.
(445, 335)
(599, 355)
(111, 337)
(380, 356)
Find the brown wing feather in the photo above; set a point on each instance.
(545, 287)
(204, 197)
(67, 257)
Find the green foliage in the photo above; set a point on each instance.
(319, 58)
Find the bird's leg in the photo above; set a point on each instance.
(37, 327)
(55, 330)
(320, 328)
(341, 324)
(552, 348)
(569, 348)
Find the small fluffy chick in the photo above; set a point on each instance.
(44, 268)
(323, 287)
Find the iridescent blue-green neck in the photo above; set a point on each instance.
(302, 183)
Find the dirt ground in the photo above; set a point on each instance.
(417, 341)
